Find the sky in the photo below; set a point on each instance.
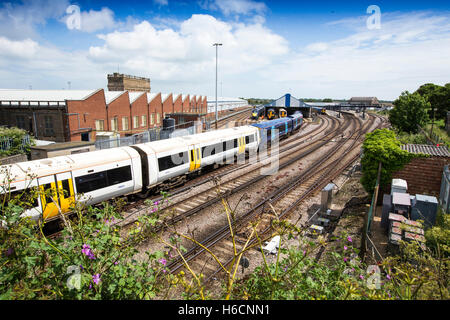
(311, 49)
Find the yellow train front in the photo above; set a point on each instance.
(271, 114)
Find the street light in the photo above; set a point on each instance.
(216, 45)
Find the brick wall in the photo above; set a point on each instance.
(155, 108)
(84, 113)
(192, 104)
(120, 108)
(423, 175)
(139, 108)
(177, 103)
(167, 106)
(186, 104)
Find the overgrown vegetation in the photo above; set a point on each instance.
(382, 146)
(94, 258)
(89, 260)
(14, 141)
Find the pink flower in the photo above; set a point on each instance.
(361, 277)
(388, 277)
(162, 261)
(88, 252)
(345, 248)
(96, 278)
(345, 259)
(349, 239)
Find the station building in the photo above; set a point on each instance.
(78, 115)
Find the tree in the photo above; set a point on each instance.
(410, 110)
(439, 98)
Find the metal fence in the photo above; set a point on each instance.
(7, 143)
(154, 134)
(444, 196)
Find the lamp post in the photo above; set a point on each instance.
(216, 45)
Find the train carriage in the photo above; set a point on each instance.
(63, 180)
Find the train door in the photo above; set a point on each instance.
(48, 191)
(56, 191)
(241, 142)
(65, 191)
(195, 157)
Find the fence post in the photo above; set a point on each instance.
(369, 215)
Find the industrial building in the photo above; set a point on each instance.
(225, 103)
(78, 115)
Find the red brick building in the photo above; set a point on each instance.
(424, 175)
(77, 115)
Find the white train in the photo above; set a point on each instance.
(97, 176)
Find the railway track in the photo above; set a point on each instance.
(137, 208)
(284, 199)
(290, 152)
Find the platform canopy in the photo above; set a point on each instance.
(288, 101)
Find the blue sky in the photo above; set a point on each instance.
(308, 48)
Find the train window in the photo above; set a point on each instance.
(211, 149)
(91, 182)
(118, 175)
(235, 143)
(230, 144)
(249, 139)
(48, 194)
(174, 160)
(99, 180)
(66, 187)
(26, 199)
(269, 132)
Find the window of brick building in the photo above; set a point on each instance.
(48, 126)
(125, 123)
(100, 125)
(135, 122)
(114, 124)
(152, 119)
(143, 121)
(158, 118)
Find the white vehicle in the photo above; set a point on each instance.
(101, 175)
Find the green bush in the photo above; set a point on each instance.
(89, 260)
(16, 136)
(382, 146)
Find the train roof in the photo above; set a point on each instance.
(269, 123)
(43, 167)
(180, 142)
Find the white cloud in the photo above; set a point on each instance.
(18, 49)
(408, 50)
(187, 53)
(18, 21)
(228, 7)
(92, 20)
